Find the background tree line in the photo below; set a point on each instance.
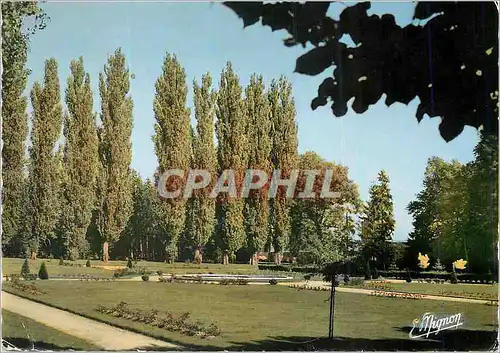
(456, 213)
(81, 198)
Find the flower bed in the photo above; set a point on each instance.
(379, 293)
(306, 287)
(480, 296)
(27, 288)
(165, 320)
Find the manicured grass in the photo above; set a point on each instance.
(44, 337)
(263, 317)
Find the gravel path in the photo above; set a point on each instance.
(100, 334)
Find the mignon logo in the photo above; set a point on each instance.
(430, 324)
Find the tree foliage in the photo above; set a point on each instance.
(115, 148)
(80, 160)
(172, 143)
(284, 157)
(204, 158)
(447, 58)
(378, 221)
(259, 144)
(15, 46)
(455, 214)
(323, 227)
(43, 198)
(230, 130)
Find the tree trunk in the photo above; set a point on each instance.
(225, 260)
(254, 260)
(33, 255)
(197, 257)
(277, 258)
(105, 252)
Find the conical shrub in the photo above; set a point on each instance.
(43, 273)
(25, 270)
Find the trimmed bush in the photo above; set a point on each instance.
(129, 263)
(87, 264)
(307, 277)
(61, 262)
(159, 272)
(25, 269)
(273, 282)
(145, 278)
(43, 273)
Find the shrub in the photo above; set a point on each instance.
(61, 262)
(87, 264)
(25, 270)
(273, 282)
(368, 274)
(43, 273)
(307, 277)
(159, 272)
(408, 277)
(129, 263)
(145, 278)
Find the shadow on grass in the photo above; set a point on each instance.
(24, 343)
(453, 340)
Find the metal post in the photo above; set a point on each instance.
(332, 308)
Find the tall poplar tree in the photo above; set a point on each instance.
(14, 129)
(232, 154)
(115, 150)
(284, 157)
(46, 130)
(80, 160)
(256, 212)
(204, 158)
(172, 142)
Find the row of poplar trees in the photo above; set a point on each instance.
(73, 195)
(255, 129)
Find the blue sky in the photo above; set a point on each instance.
(205, 36)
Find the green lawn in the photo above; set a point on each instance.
(43, 337)
(265, 317)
